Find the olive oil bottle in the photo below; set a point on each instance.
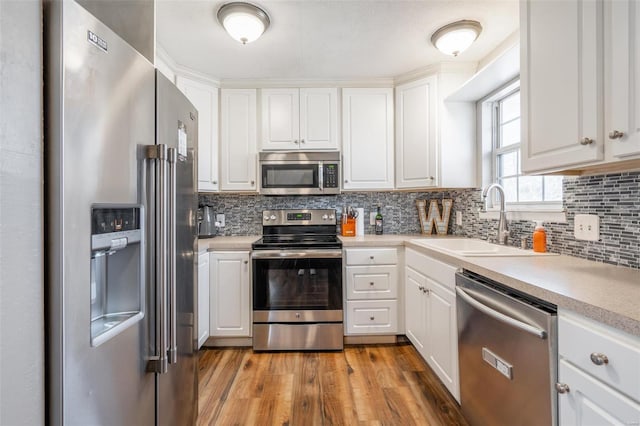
(379, 220)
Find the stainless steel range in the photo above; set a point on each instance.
(297, 282)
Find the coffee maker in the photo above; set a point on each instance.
(207, 226)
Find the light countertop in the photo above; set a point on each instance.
(609, 294)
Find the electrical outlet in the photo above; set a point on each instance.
(220, 219)
(586, 227)
(458, 218)
(372, 218)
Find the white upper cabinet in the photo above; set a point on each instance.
(622, 66)
(299, 119)
(561, 83)
(205, 98)
(367, 139)
(238, 140)
(580, 71)
(435, 140)
(416, 134)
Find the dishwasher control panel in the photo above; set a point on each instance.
(499, 364)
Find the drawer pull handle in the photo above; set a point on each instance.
(562, 388)
(371, 283)
(586, 141)
(371, 257)
(616, 134)
(599, 359)
(372, 318)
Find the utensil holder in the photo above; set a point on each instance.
(349, 227)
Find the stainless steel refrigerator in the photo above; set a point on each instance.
(121, 235)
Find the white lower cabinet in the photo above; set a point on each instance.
(430, 315)
(203, 298)
(598, 374)
(371, 291)
(230, 301)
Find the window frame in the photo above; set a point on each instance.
(490, 105)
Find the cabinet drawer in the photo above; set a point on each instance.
(372, 282)
(579, 338)
(372, 316)
(441, 272)
(590, 402)
(373, 256)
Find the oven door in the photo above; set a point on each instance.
(297, 286)
(286, 177)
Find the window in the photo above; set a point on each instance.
(520, 190)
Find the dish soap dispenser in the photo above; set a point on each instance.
(539, 238)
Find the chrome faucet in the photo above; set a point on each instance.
(503, 227)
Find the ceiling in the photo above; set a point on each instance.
(327, 39)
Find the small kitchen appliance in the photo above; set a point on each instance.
(207, 225)
(297, 282)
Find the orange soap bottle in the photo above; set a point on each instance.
(539, 238)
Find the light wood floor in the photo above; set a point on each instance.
(364, 385)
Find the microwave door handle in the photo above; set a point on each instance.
(320, 176)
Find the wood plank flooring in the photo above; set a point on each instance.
(364, 385)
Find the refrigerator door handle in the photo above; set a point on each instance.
(158, 363)
(173, 346)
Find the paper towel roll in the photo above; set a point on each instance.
(360, 222)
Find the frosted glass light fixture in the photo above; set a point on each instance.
(244, 22)
(454, 38)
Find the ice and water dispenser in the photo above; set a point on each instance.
(117, 270)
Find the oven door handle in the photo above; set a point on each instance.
(297, 254)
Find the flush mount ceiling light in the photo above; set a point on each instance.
(454, 38)
(244, 22)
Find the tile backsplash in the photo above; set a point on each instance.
(615, 198)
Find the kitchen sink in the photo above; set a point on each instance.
(474, 248)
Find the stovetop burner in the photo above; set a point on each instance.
(298, 229)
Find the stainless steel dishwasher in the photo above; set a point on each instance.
(507, 347)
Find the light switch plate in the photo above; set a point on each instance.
(587, 227)
(458, 217)
(372, 218)
(220, 219)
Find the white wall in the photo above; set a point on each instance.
(22, 399)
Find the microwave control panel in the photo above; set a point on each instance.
(330, 174)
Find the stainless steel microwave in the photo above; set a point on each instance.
(299, 173)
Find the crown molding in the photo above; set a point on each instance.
(441, 67)
(182, 71)
(304, 83)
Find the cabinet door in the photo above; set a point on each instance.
(280, 119)
(203, 298)
(416, 134)
(415, 321)
(238, 131)
(442, 332)
(561, 83)
(205, 98)
(590, 402)
(319, 119)
(367, 138)
(623, 77)
(230, 294)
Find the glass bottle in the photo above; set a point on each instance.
(378, 222)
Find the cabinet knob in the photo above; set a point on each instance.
(371, 257)
(246, 261)
(302, 141)
(562, 388)
(421, 288)
(599, 359)
(253, 182)
(372, 318)
(431, 178)
(346, 181)
(616, 134)
(426, 291)
(371, 283)
(215, 182)
(296, 142)
(586, 141)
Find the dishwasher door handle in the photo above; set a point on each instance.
(499, 316)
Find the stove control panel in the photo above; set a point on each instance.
(299, 217)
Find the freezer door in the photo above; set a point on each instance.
(100, 104)
(177, 128)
